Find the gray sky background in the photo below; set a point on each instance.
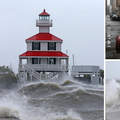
(112, 69)
(79, 23)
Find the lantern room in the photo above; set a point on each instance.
(44, 22)
(44, 15)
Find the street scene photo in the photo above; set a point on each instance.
(112, 29)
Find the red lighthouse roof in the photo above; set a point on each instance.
(44, 36)
(44, 13)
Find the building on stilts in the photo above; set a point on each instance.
(44, 58)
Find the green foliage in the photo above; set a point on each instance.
(6, 70)
(102, 73)
(87, 75)
(8, 79)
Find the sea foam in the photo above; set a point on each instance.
(8, 112)
(112, 93)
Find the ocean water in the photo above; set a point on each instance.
(113, 99)
(53, 100)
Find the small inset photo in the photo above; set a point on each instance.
(112, 29)
(112, 99)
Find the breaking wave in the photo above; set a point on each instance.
(51, 101)
(85, 92)
(40, 86)
(68, 82)
(112, 93)
(15, 106)
(41, 89)
(7, 111)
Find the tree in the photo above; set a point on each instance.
(101, 73)
(8, 79)
(6, 70)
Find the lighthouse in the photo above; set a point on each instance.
(44, 58)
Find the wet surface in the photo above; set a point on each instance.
(112, 30)
(113, 115)
(9, 119)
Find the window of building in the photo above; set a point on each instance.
(36, 60)
(35, 45)
(39, 60)
(44, 17)
(52, 60)
(51, 45)
(40, 17)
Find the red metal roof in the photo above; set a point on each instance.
(44, 36)
(43, 54)
(44, 13)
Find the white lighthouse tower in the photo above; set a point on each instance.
(44, 58)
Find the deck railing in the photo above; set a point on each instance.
(45, 67)
(34, 73)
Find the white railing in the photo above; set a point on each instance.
(52, 74)
(36, 74)
(45, 67)
(32, 71)
(29, 70)
(44, 21)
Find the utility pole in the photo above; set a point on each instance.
(73, 59)
(67, 52)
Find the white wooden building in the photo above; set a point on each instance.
(80, 71)
(44, 58)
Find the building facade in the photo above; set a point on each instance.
(44, 58)
(87, 73)
(115, 6)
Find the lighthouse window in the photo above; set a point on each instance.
(44, 17)
(36, 60)
(35, 45)
(40, 17)
(47, 17)
(52, 61)
(51, 46)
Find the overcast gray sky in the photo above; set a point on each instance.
(112, 69)
(79, 23)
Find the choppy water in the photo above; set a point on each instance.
(53, 100)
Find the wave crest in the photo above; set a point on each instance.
(68, 82)
(112, 93)
(40, 88)
(8, 112)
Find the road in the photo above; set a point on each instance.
(112, 30)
